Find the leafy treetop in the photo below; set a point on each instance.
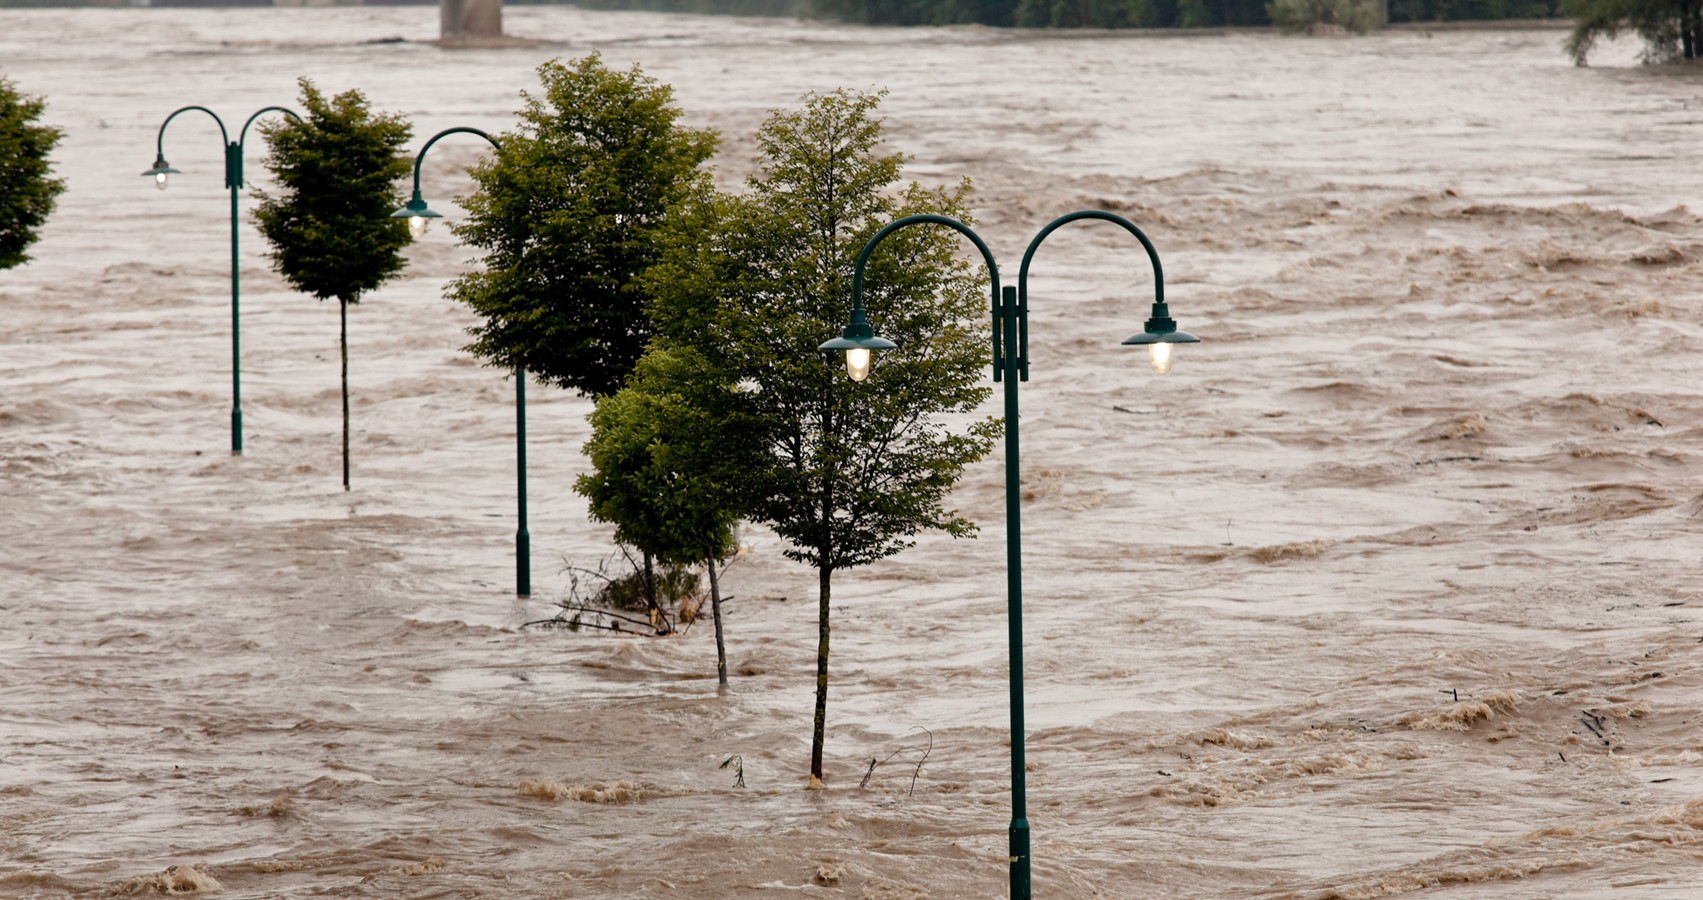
(28, 193)
(567, 215)
(850, 473)
(339, 171)
(667, 459)
(1671, 29)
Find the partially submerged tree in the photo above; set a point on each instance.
(28, 191)
(669, 456)
(847, 473)
(1671, 29)
(339, 172)
(567, 215)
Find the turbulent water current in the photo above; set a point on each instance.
(1393, 586)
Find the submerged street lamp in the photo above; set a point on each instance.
(419, 215)
(1011, 365)
(161, 171)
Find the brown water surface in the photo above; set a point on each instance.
(1394, 585)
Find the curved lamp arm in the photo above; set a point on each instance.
(160, 140)
(415, 210)
(162, 169)
(233, 165)
(917, 219)
(1054, 225)
(243, 135)
(858, 338)
(233, 149)
(1160, 330)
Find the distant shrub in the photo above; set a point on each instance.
(1085, 14)
(1670, 31)
(1358, 16)
(1193, 14)
(1472, 10)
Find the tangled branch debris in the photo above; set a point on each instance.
(915, 773)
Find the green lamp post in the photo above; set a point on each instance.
(1010, 365)
(161, 172)
(419, 215)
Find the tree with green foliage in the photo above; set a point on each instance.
(1088, 14)
(567, 215)
(28, 191)
(339, 172)
(910, 12)
(1194, 14)
(1471, 10)
(669, 454)
(1671, 29)
(1358, 16)
(846, 473)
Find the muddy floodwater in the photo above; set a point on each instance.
(1394, 586)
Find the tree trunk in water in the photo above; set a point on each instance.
(343, 345)
(1685, 29)
(824, 580)
(654, 608)
(1693, 29)
(715, 610)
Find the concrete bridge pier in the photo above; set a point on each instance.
(470, 18)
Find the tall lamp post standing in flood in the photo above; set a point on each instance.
(419, 215)
(1010, 365)
(161, 172)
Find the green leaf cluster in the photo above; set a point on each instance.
(339, 171)
(669, 457)
(568, 215)
(1670, 29)
(28, 192)
(672, 460)
(1471, 10)
(1095, 14)
(1358, 16)
(846, 473)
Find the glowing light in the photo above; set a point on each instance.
(1160, 355)
(857, 363)
(417, 226)
(160, 180)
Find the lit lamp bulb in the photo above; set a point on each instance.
(857, 363)
(159, 180)
(858, 340)
(1160, 334)
(417, 226)
(1159, 355)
